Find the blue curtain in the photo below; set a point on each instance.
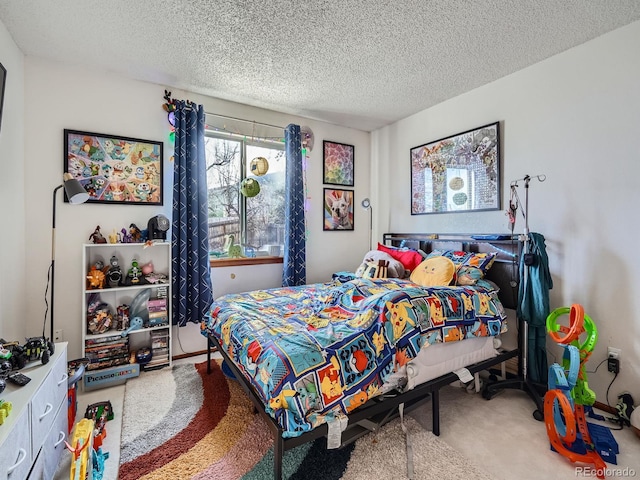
(191, 279)
(294, 270)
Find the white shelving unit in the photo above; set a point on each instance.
(114, 347)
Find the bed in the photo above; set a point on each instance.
(338, 358)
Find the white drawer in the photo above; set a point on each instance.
(44, 406)
(15, 452)
(60, 378)
(53, 445)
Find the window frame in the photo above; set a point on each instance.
(242, 200)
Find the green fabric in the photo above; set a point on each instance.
(533, 306)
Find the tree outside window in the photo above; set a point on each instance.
(256, 222)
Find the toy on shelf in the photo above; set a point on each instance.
(114, 273)
(113, 237)
(97, 237)
(134, 275)
(99, 315)
(125, 236)
(136, 234)
(569, 393)
(95, 278)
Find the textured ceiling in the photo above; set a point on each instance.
(358, 63)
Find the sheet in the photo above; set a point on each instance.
(316, 352)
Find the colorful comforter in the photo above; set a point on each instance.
(316, 352)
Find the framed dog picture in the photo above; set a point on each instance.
(114, 169)
(338, 209)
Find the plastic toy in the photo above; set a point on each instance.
(114, 273)
(97, 237)
(100, 413)
(134, 275)
(5, 410)
(95, 278)
(34, 348)
(136, 234)
(569, 392)
(81, 448)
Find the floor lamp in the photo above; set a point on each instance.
(366, 203)
(76, 194)
(523, 382)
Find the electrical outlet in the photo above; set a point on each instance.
(613, 352)
(57, 336)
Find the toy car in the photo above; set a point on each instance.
(38, 348)
(35, 348)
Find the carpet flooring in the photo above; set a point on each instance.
(181, 423)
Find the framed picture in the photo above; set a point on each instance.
(3, 81)
(338, 209)
(460, 173)
(338, 163)
(115, 169)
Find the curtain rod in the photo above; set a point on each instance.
(243, 120)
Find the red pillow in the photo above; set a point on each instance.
(410, 259)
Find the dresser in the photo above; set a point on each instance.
(32, 436)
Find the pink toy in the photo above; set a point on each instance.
(147, 268)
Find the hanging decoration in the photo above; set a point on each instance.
(259, 166)
(249, 187)
(170, 108)
(307, 145)
(307, 138)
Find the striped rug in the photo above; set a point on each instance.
(181, 423)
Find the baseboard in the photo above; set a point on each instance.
(187, 355)
(605, 408)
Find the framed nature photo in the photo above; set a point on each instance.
(460, 173)
(114, 169)
(338, 161)
(338, 209)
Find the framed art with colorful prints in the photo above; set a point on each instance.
(338, 161)
(338, 209)
(115, 169)
(460, 173)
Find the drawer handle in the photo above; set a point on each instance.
(48, 409)
(64, 379)
(61, 439)
(22, 455)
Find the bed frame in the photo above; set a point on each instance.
(380, 410)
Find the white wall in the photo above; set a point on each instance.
(13, 282)
(575, 118)
(59, 97)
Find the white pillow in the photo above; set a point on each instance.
(395, 269)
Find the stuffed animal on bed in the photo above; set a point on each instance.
(371, 268)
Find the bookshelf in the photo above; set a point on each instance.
(126, 308)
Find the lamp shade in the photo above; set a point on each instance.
(250, 187)
(259, 166)
(74, 191)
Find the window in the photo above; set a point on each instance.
(256, 223)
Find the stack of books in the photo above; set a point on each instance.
(159, 349)
(108, 351)
(158, 311)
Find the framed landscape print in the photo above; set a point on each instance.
(338, 209)
(460, 173)
(338, 161)
(114, 169)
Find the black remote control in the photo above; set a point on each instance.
(19, 379)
